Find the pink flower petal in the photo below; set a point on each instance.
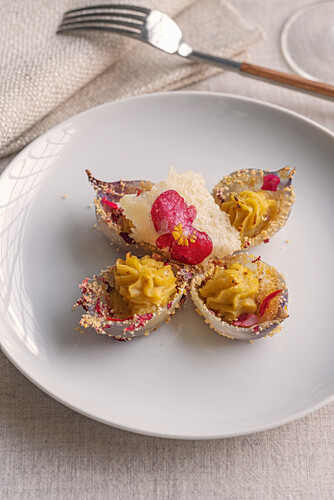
(109, 203)
(266, 301)
(246, 320)
(165, 241)
(270, 182)
(169, 210)
(195, 252)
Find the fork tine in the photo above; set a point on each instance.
(75, 27)
(103, 22)
(135, 8)
(103, 14)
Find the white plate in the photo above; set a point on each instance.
(183, 381)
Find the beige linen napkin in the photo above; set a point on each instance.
(46, 78)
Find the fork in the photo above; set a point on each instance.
(160, 31)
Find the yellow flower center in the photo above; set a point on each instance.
(181, 238)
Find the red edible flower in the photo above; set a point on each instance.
(173, 218)
(169, 210)
(249, 319)
(266, 301)
(270, 182)
(165, 240)
(109, 203)
(266, 240)
(246, 320)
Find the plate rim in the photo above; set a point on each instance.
(250, 430)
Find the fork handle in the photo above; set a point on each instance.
(319, 89)
(288, 80)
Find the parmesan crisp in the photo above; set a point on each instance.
(191, 186)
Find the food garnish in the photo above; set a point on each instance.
(173, 217)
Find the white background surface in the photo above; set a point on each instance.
(49, 451)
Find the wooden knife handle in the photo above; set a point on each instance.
(287, 80)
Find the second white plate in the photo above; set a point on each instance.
(184, 381)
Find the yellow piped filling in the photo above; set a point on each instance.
(230, 292)
(250, 211)
(120, 307)
(145, 285)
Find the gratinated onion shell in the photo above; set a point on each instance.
(98, 314)
(270, 280)
(109, 216)
(275, 186)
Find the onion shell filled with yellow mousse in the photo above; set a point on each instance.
(133, 297)
(241, 297)
(257, 202)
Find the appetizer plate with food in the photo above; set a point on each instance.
(166, 264)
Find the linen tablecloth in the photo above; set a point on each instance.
(49, 451)
(46, 78)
